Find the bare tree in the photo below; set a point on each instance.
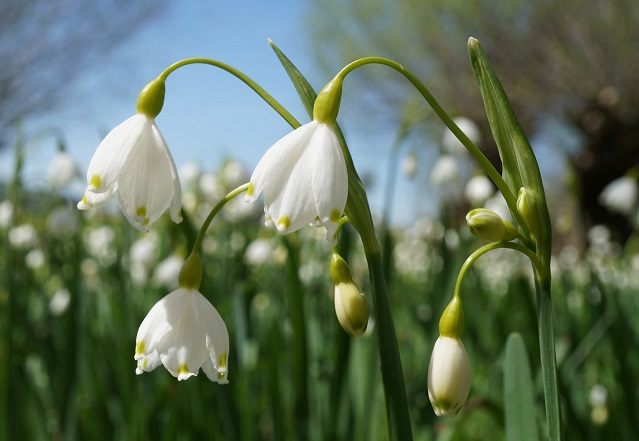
(45, 44)
(572, 61)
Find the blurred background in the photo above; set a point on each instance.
(75, 286)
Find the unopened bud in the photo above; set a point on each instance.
(488, 225)
(448, 376)
(526, 206)
(351, 308)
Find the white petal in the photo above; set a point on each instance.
(212, 374)
(329, 177)
(276, 164)
(217, 336)
(183, 350)
(113, 152)
(175, 208)
(146, 184)
(157, 322)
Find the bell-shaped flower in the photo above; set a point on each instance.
(184, 332)
(449, 367)
(134, 162)
(304, 180)
(448, 376)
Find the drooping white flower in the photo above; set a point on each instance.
(304, 180)
(621, 195)
(184, 332)
(134, 162)
(448, 376)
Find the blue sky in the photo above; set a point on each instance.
(208, 115)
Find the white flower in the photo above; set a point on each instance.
(184, 332)
(258, 251)
(445, 171)
(167, 272)
(620, 195)
(304, 180)
(448, 376)
(452, 144)
(62, 221)
(6, 213)
(60, 301)
(478, 189)
(135, 162)
(62, 170)
(34, 259)
(23, 236)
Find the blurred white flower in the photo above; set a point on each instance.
(598, 395)
(478, 189)
(234, 174)
(190, 173)
(23, 236)
(62, 221)
(620, 195)
(62, 170)
(184, 332)
(211, 187)
(134, 162)
(409, 166)
(445, 171)
(452, 144)
(258, 251)
(498, 204)
(99, 243)
(144, 250)
(59, 302)
(6, 213)
(448, 376)
(34, 259)
(167, 272)
(304, 180)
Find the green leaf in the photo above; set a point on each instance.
(519, 402)
(520, 168)
(303, 87)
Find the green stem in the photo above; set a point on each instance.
(490, 247)
(490, 170)
(548, 358)
(196, 246)
(239, 75)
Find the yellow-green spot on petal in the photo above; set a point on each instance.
(84, 200)
(145, 361)
(145, 222)
(335, 215)
(222, 361)
(96, 181)
(183, 369)
(285, 222)
(141, 211)
(250, 190)
(220, 375)
(139, 347)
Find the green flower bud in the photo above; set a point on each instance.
(451, 324)
(527, 201)
(488, 225)
(191, 273)
(351, 308)
(327, 102)
(151, 99)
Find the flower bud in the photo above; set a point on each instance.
(488, 225)
(448, 376)
(351, 308)
(327, 103)
(151, 98)
(526, 202)
(351, 305)
(449, 368)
